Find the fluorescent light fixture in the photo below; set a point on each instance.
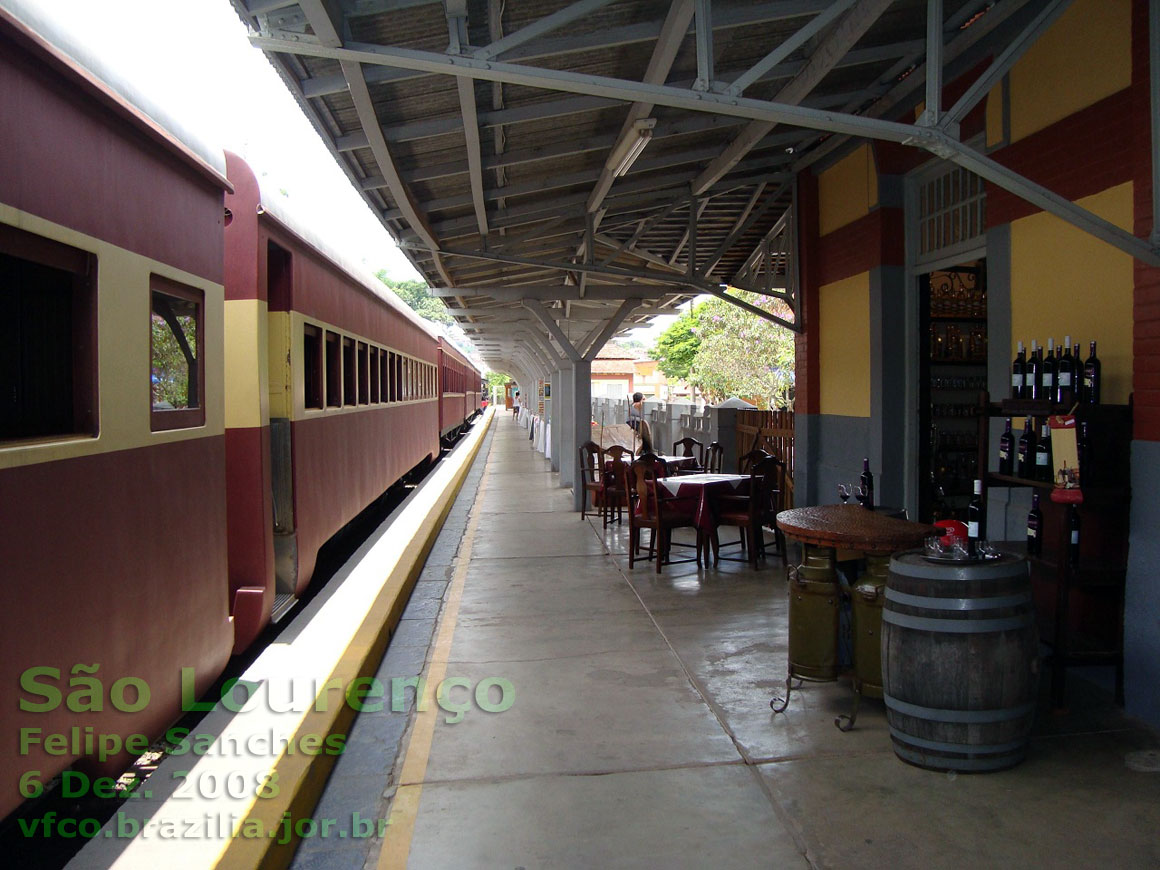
(632, 146)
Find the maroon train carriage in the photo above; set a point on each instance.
(332, 398)
(458, 390)
(113, 552)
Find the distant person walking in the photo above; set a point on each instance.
(516, 405)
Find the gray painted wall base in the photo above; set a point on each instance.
(828, 450)
(1142, 597)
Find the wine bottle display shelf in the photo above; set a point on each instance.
(1079, 589)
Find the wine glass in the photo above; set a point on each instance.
(843, 492)
(860, 492)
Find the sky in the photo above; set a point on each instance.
(196, 60)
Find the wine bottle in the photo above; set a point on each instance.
(1034, 527)
(1091, 378)
(976, 522)
(1064, 376)
(1026, 464)
(1031, 378)
(1047, 373)
(1006, 450)
(1083, 454)
(867, 481)
(1073, 536)
(1018, 371)
(1044, 471)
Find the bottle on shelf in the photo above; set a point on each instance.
(1044, 469)
(1031, 378)
(867, 482)
(1091, 378)
(1065, 376)
(1007, 450)
(1025, 467)
(1034, 527)
(1047, 373)
(976, 522)
(1018, 372)
(1073, 534)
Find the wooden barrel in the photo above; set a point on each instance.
(959, 662)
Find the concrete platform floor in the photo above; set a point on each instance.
(641, 735)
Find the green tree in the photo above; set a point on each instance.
(678, 345)
(416, 296)
(497, 379)
(741, 354)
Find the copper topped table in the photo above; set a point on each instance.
(815, 594)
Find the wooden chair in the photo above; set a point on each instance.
(746, 462)
(592, 475)
(650, 509)
(691, 447)
(714, 456)
(614, 494)
(751, 512)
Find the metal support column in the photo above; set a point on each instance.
(581, 421)
(555, 418)
(567, 451)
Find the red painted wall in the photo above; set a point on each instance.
(1084, 153)
(68, 159)
(116, 560)
(871, 241)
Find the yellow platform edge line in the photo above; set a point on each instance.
(396, 844)
(302, 777)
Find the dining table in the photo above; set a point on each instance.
(699, 490)
(815, 593)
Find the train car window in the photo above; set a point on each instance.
(278, 277)
(398, 395)
(386, 361)
(374, 369)
(349, 372)
(177, 368)
(364, 381)
(312, 365)
(48, 338)
(333, 370)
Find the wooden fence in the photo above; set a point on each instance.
(772, 431)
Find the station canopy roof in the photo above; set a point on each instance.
(561, 171)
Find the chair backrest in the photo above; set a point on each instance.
(591, 461)
(714, 456)
(640, 479)
(768, 484)
(616, 459)
(618, 453)
(659, 465)
(746, 462)
(685, 446)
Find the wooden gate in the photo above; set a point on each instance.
(771, 431)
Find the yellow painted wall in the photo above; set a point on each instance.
(123, 358)
(844, 346)
(847, 190)
(1064, 281)
(1082, 58)
(246, 405)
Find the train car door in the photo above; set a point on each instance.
(279, 274)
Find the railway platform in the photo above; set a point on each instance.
(580, 714)
(639, 732)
